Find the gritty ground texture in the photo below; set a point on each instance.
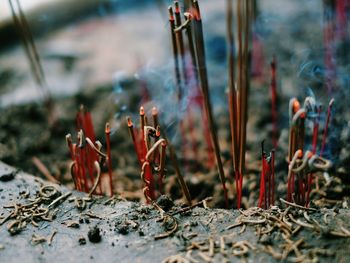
(77, 228)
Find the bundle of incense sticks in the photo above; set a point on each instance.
(299, 180)
(87, 157)
(186, 77)
(239, 88)
(150, 149)
(267, 179)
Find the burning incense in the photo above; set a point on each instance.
(151, 157)
(203, 76)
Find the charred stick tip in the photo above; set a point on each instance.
(171, 13)
(154, 111)
(177, 7)
(107, 128)
(129, 121)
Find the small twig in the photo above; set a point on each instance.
(43, 169)
(234, 225)
(50, 238)
(59, 199)
(251, 221)
(172, 230)
(185, 209)
(243, 229)
(98, 178)
(36, 239)
(205, 257)
(297, 206)
(242, 248)
(300, 223)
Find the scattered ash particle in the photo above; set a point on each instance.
(82, 241)
(94, 234)
(165, 202)
(122, 229)
(7, 177)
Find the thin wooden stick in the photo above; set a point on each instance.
(43, 169)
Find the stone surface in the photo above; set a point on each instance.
(129, 232)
